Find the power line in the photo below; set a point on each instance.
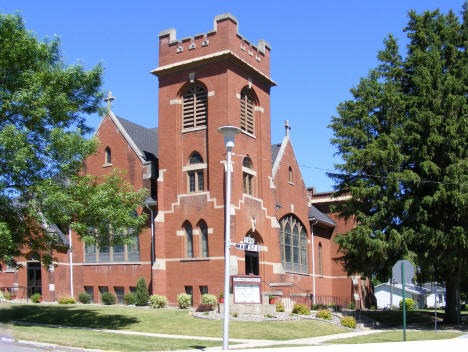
(360, 175)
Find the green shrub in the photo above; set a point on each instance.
(184, 300)
(279, 307)
(209, 299)
(129, 298)
(84, 298)
(142, 294)
(36, 298)
(108, 298)
(66, 300)
(348, 322)
(331, 305)
(7, 295)
(372, 307)
(352, 306)
(301, 309)
(323, 314)
(410, 304)
(158, 301)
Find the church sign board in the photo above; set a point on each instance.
(246, 289)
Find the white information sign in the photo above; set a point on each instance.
(246, 293)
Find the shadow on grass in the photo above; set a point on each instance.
(65, 315)
(419, 318)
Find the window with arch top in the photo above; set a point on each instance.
(195, 173)
(247, 105)
(194, 106)
(107, 156)
(247, 175)
(294, 249)
(203, 239)
(188, 240)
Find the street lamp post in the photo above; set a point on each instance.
(229, 132)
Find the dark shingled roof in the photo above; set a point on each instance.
(274, 152)
(146, 139)
(321, 217)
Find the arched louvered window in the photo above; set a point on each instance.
(247, 175)
(195, 173)
(203, 239)
(290, 175)
(194, 107)
(293, 238)
(188, 240)
(248, 110)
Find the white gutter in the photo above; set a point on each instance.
(313, 260)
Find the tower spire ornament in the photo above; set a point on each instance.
(109, 99)
(287, 127)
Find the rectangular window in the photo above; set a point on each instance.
(133, 250)
(132, 289)
(189, 291)
(90, 253)
(104, 254)
(203, 290)
(118, 252)
(90, 291)
(119, 293)
(103, 289)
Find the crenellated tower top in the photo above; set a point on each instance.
(223, 41)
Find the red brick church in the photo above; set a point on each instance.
(206, 81)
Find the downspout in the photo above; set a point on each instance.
(70, 260)
(149, 203)
(313, 258)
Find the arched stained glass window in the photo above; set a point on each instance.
(203, 239)
(294, 247)
(188, 240)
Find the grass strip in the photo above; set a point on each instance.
(397, 336)
(165, 321)
(104, 341)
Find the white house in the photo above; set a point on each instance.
(437, 292)
(387, 297)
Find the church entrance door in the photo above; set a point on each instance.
(251, 263)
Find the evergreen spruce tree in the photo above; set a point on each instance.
(403, 139)
(142, 294)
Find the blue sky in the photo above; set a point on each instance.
(320, 49)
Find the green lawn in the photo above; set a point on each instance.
(104, 341)
(422, 317)
(167, 321)
(396, 336)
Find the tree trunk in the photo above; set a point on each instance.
(452, 304)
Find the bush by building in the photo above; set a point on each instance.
(66, 300)
(142, 294)
(158, 301)
(184, 300)
(410, 304)
(129, 299)
(323, 314)
(36, 298)
(348, 322)
(279, 307)
(108, 298)
(301, 309)
(209, 299)
(84, 298)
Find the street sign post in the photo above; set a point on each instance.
(403, 272)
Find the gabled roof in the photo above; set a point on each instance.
(146, 139)
(322, 218)
(275, 148)
(418, 290)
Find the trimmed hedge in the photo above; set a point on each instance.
(323, 314)
(158, 301)
(129, 299)
(410, 304)
(184, 300)
(301, 309)
(209, 299)
(66, 300)
(348, 322)
(142, 295)
(84, 298)
(108, 298)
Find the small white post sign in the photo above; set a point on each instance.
(246, 289)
